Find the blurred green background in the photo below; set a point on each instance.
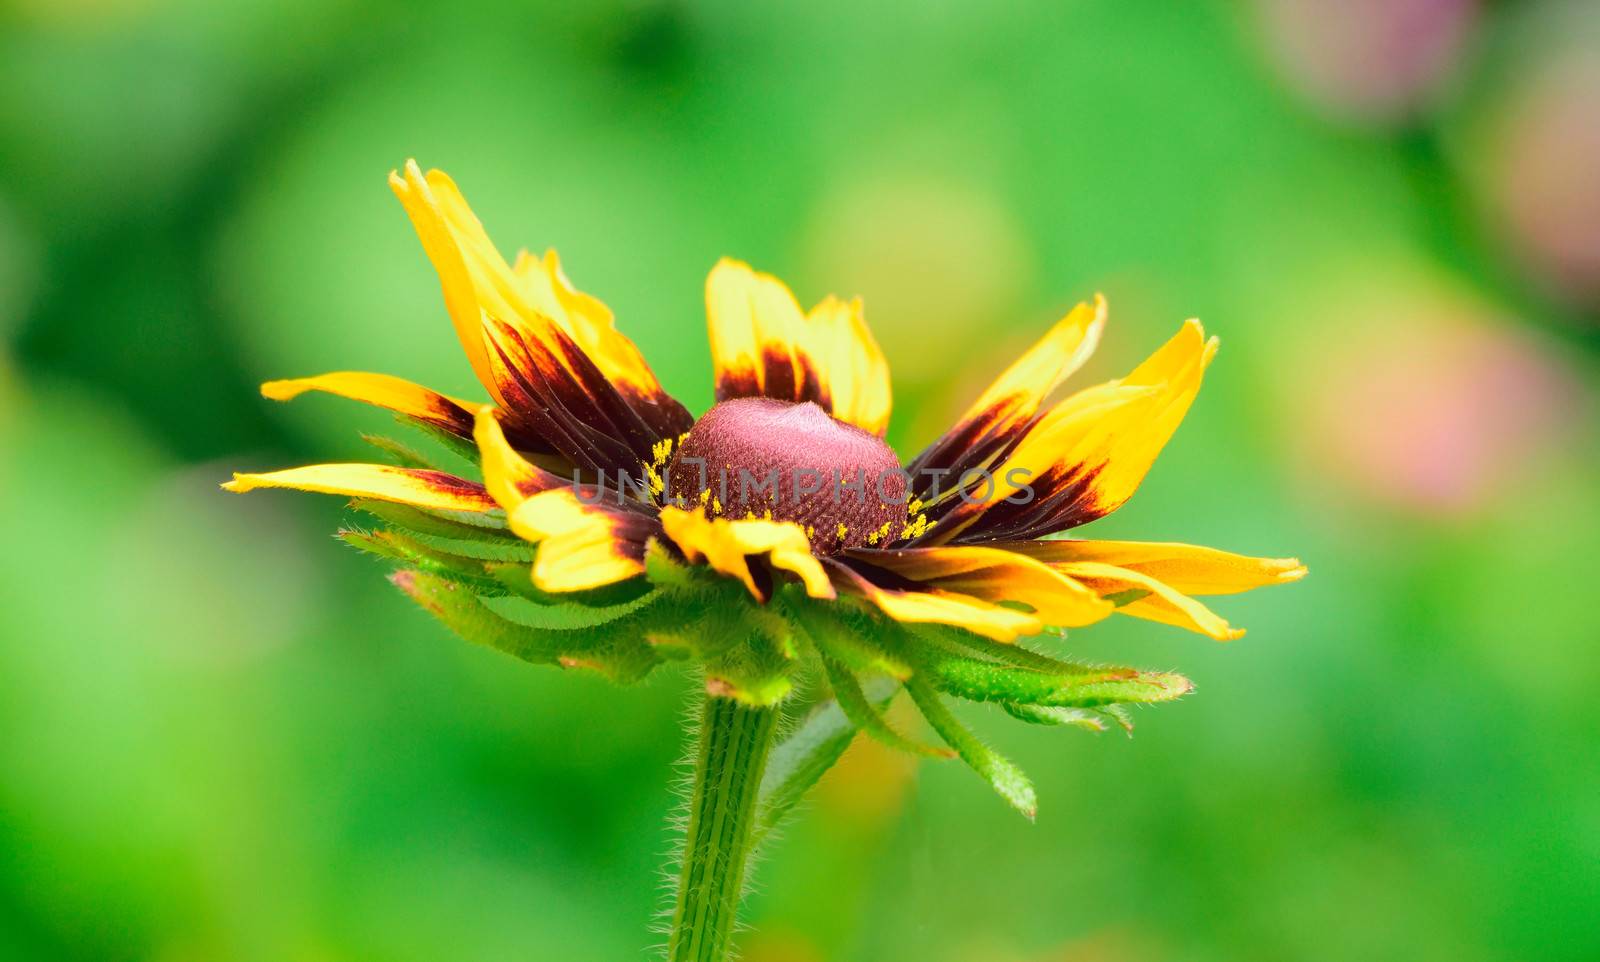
(224, 736)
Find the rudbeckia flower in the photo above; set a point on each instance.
(596, 523)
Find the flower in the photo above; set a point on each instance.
(612, 530)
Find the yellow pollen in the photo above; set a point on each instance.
(916, 526)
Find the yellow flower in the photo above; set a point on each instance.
(787, 478)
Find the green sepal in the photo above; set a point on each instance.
(845, 645)
(1013, 673)
(463, 448)
(977, 680)
(463, 525)
(1004, 776)
(666, 569)
(614, 652)
(800, 760)
(564, 616)
(400, 547)
(1121, 715)
(517, 577)
(845, 632)
(464, 613)
(1122, 599)
(1088, 719)
(749, 653)
(959, 641)
(748, 649)
(754, 674)
(861, 712)
(450, 536)
(616, 648)
(480, 549)
(401, 453)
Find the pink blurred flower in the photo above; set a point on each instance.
(1546, 179)
(1369, 59)
(1434, 414)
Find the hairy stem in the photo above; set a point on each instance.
(735, 740)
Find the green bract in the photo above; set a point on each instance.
(474, 575)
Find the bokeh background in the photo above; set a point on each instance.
(225, 736)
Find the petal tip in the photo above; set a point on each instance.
(282, 390)
(824, 593)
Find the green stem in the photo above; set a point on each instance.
(735, 740)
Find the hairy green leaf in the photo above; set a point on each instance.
(616, 649)
(489, 526)
(565, 616)
(517, 577)
(800, 760)
(462, 448)
(845, 633)
(978, 680)
(400, 547)
(463, 612)
(401, 453)
(1004, 776)
(860, 710)
(958, 641)
(1086, 718)
(449, 536)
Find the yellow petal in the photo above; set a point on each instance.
(581, 546)
(1155, 602)
(995, 575)
(1015, 395)
(1115, 436)
(395, 394)
(590, 324)
(509, 477)
(851, 366)
(763, 345)
(1191, 569)
(444, 250)
(535, 299)
(933, 606)
(1086, 456)
(726, 545)
(434, 490)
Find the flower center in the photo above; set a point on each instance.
(756, 457)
